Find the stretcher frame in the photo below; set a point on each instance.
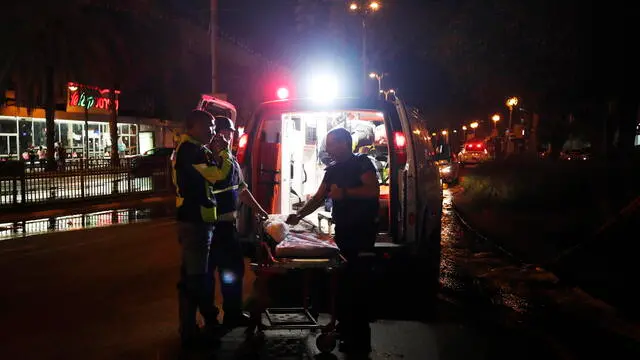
(264, 318)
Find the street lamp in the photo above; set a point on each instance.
(378, 77)
(445, 134)
(464, 132)
(511, 102)
(495, 118)
(364, 8)
(474, 126)
(386, 93)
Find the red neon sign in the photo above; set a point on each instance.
(90, 98)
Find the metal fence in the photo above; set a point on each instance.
(71, 222)
(23, 184)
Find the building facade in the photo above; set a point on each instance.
(22, 130)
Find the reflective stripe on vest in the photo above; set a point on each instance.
(228, 188)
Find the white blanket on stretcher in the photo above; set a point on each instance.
(299, 241)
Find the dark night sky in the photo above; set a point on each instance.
(462, 58)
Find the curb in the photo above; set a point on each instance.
(622, 332)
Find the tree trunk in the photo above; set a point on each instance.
(50, 115)
(113, 127)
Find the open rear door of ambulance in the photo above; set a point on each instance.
(217, 107)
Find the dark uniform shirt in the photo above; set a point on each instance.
(355, 218)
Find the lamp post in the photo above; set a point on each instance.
(495, 118)
(364, 8)
(511, 102)
(464, 132)
(445, 134)
(213, 37)
(386, 93)
(378, 77)
(474, 126)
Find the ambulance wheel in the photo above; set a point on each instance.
(326, 342)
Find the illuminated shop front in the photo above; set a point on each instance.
(17, 134)
(83, 127)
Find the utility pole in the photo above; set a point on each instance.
(365, 59)
(213, 33)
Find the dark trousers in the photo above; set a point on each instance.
(354, 292)
(227, 257)
(195, 292)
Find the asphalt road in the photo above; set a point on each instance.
(109, 293)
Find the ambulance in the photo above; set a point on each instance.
(281, 152)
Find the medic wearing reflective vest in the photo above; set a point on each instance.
(226, 190)
(194, 175)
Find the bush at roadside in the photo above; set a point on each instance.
(552, 213)
(530, 185)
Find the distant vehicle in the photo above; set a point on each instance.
(473, 152)
(448, 164)
(581, 154)
(143, 165)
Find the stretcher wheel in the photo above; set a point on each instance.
(326, 342)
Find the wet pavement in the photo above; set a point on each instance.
(109, 293)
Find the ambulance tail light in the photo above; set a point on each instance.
(400, 145)
(242, 147)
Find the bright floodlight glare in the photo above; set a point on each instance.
(374, 5)
(282, 93)
(324, 87)
(353, 6)
(373, 75)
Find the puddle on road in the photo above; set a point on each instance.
(86, 220)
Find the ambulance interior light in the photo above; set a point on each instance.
(323, 87)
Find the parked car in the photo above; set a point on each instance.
(143, 165)
(473, 152)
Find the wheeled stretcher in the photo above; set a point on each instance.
(281, 256)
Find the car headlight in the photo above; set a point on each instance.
(445, 170)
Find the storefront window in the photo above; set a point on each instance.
(25, 133)
(66, 138)
(4, 145)
(128, 139)
(8, 126)
(18, 135)
(13, 145)
(39, 133)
